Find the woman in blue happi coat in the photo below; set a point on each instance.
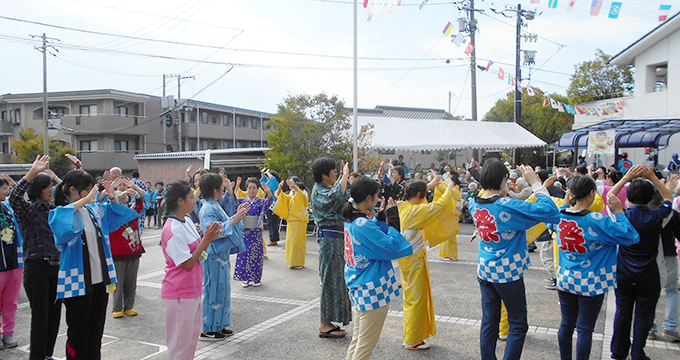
(87, 274)
(216, 279)
(370, 247)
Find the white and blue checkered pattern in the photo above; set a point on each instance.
(71, 285)
(371, 296)
(504, 270)
(589, 283)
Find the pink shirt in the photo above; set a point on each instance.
(179, 239)
(622, 195)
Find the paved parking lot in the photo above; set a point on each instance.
(280, 319)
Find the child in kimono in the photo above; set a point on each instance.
(587, 262)
(87, 274)
(292, 207)
(503, 254)
(370, 245)
(11, 268)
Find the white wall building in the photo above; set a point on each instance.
(656, 60)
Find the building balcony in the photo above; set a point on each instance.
(103, 123)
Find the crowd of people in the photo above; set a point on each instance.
(77, 240)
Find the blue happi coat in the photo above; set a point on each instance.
(502, 223)
(68, 227)
(588, 243)
(370, 247)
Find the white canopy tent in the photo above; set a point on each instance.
(423, 134)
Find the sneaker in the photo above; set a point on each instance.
(671, 334)
(552, 286)
(212, 336)
(419, 346)
(9, 341)
(245, 284)
(651, 335)
(257, 284)
(227, 332)
(550, 280)
(503, 337)
(130, 312)
(118, 314)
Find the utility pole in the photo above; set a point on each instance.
(473, 61)
(179, 107)
(45, 109)
(518, 80)
(355, 111)
(450, 103)
(165, 127)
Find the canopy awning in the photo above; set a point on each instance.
(422, 134)
(629, 133)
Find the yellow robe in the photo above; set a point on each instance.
(419, 322)
(293, 209)
(446, 234)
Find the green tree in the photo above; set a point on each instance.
(367, 163)
(30, 145)
(545, 122)
(307, 127)
(598, 80)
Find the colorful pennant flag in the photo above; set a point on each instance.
(447, 29)
(615, 10)
(535, 1)
(501, 74)
(595, 7)
(553, 103)
(552, 4)
(663, 12)
(571, 5)
(569, 108)
(468, 49)
(560, 107)
(365, 3)
(458, 39)
(488, 66)
(545, 101)
(530, 92)
(422, 5)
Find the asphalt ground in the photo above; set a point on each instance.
(280, 319)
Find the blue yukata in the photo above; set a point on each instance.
(587, 244)
(68, 227)
(502, 259)
(370, 245)
(249, 263)
(216, 282)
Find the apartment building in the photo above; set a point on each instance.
(109, 127)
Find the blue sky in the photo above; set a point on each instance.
(295, 46)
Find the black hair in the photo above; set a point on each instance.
(362, 188)
(615, 175)
(543, 175)
(414, 188)
(135, 174)
(252, 180)
(98, 178)
(275, 175)
(640, 192)
(199, 172)
(159, 183)
(493, 174)
(395, 162)
(40, 183)
(582, 169)
(176, 190)
(298, 182)
(322, 166)
(3, 181)
(580, 187)
(400, 170)
(79, 179)
(209, 183)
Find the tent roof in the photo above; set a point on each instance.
(423, 134)
(629, 133)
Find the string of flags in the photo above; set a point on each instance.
(374, 9)
(596, 8)
(608, 109)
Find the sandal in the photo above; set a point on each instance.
(337, 332)
(419, 346)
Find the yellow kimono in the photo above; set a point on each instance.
(293, 209)
(415, 220)
(240, 194)
(446, 234)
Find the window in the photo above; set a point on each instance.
(239, 144)
(5, 148)
(204, 117)
(226, 144)
(214, 120)
(205, 145)
(265, 144)
(88, 110)
(657, 77)
(122, 111)
(225, 119)
(88, 145)
(255, 144)
(192, 145)
(254, 123)
(3, 115)
(245, 123)
(237, 122)
(192, 118)
(17, 116)
(121, 146)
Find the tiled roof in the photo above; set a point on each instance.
(403, 112)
